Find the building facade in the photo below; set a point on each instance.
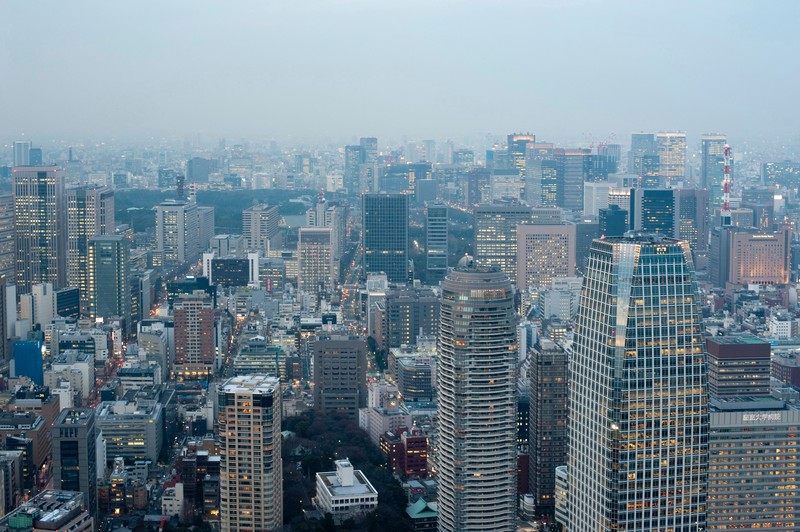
(637, 455)
(496, 235)
(385, 235)
(544, 253)
(75, 454)
(476, 385)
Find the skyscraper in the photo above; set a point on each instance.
(518, 149)
(177, 232)
(22, 153)
(353, 155)
(712, 163)
(436, 242)
(108, 278)
(638, 400)
(194, 336)
(90, 212)
(259, 226)
(385, 240)
(477, 391)
(496, 235)
(251, 473)
(573, 169)
(642, 143)
(315, 265)
(548, 421)
(39, 226)
(671, 148)
(544, 252)
(75, 455)
(7, 238)
(654, 211)
(340, 374)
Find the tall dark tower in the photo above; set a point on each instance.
(385, 239)
(74, 454)
(477, 390)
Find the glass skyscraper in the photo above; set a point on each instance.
(385, 226)
(638, 405)
(477, 390)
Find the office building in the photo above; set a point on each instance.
(544, 252)
(573, 167)
(547, 435)
(39, 226)
(637, 455)
(259, 226)
(745, 256)
(75, 454)
(752, 472)
(693, 223)
(436, 242)
(8, 258)
(90, 213)
(671, 149)
(108, 278)
(385, 239)
(496, 235)
(251, 473)
(133, 427)
(353, 156)
(195, 345)
(654, 211)
(28, 360)
(22, 153)
(541, 182)
(738, 366)
(345, 493)
(476, 390)
(409, 313)
(340, 374)
(317, 272)
(641, 144)
(50, 510)
(613, 221)
(178, 232)
(712, 165)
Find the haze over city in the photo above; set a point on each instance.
(333, 70)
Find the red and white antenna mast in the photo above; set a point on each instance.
(727, 184)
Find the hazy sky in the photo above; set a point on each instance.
(422, 68)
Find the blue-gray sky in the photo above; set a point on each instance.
(422, 68)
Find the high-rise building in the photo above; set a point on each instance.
(671, 148)
(547, 434)
(541, 182)
(436, 242)
(573, 168)
(39, 227)
(316, 271)
(90, 213)
(108, 278)
(251, 474)
(353, 155)
(638, 399)
(654, 211)
(385, 240)
(409, 313)
(259, 226)
(544, 252)
(518, 150)
(641, 144)
(194, 336)
(496, 235)
(693, 223)
(369, 149)
(340, 374)
(22, 153)
(743, 256)
(477, 394)
(75, 454)
(177, 232)
(7, 238)
(738, 366)
(712, 165)
(613, 221)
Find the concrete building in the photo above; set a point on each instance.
(436, 242)
(496, 235)
(108, 278)
(132, 427)
(671, 150)
(477, 405)
(544, 253)
(408, 313)
(340, 374)
(195, 345)
(75, 454)
(738, 366)
(317, 271)
(251, 486)
(260, 226)
(48, 511)
(345, 493)
(8, 260)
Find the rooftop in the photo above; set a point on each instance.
(248, 383)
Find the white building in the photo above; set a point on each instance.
(345, 493)
(172, 501)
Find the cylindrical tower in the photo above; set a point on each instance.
(476, 379)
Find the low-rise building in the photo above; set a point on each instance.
(345, 493)
(132, 428)
(48, 511)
